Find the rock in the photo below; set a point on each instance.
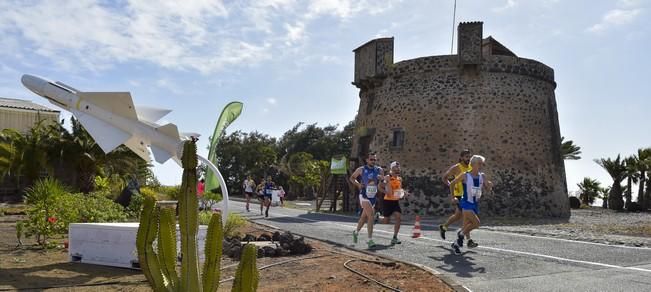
(276, 236)
(575, 203)
(299, 247)
(286, 237)
(268, 251)
(264, 237)
(235, 252)
(249, 238)
(260, 253)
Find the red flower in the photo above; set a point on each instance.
(52, 220)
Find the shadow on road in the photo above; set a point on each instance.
(461, 265)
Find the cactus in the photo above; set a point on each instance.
(189, 220)
(246, 277)
(159, 266)
(213, 252)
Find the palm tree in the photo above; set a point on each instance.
(82, 152)
(604, 197)
(25, 154)
(643, 165)
(589, 190)
(616, 169)
(632, 175)
(569, 151)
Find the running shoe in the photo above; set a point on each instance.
(460, 238)
(456, 248)
(472, 244)
(355, 233)
(395, 240)
(370, 243)
(266, 213)
(442, 230)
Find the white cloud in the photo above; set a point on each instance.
(508, 5)
(615, 17)
(201, 35)
(272, 101)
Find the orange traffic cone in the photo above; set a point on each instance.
(416, 233)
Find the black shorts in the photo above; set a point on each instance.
(250, 194)
(390, 206)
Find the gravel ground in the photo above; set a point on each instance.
(593, 225)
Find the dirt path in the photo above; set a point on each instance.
(322, 270)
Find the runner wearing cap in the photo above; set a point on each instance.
(392, 195)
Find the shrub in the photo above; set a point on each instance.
(137, 199)
(170, 192)
(51, 210)
(233, 224)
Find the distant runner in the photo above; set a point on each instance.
(368, 189)
(248, 186)
(268, 191)
(260, 191)
(474, 182)
(453, 172)
(392, 195)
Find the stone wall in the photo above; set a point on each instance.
(505, 109)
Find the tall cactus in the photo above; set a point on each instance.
(157, 223)
(213, 253)
(189, 220)
(246, 277)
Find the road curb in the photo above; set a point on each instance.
(445, 279)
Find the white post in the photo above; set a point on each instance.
(222, 185)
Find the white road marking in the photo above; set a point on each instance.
(483, 247)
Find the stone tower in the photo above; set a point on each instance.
(423, 112)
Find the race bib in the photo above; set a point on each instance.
(476, 192)
(398, 193)
(371, 191)
(268, 191)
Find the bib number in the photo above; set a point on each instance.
(371, 191)
(268, 191)
(476, 192)
(399, 193)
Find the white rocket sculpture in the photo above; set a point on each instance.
(112, 120)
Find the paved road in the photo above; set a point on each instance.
(502, 262)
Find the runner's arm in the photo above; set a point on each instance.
(452, 171)
(387, 186)
(353, 178)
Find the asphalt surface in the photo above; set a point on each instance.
(502, 262)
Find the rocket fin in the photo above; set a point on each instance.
(151, 114)
(106, 136)
(138, 146)
(160, 154)
(118, 103)
(169, 130)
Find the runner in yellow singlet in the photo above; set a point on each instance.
(453, 172)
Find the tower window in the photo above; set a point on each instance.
(398, 139)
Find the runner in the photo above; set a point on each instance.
(248, 187)
(473, 182)
(260, 191)
(371, 176)
(268, 189)
(392, 195)
(453, 172)
(201, 189)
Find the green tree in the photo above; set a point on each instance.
(616, 169)
(569, 151)
(643, 166)
(589, 190)
(26, 154)
(603, 192)
(632, 176)
(241, 154)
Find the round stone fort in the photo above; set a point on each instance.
(422, 112)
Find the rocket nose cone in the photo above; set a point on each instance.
(33, 83)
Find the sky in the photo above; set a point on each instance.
(291, 61)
